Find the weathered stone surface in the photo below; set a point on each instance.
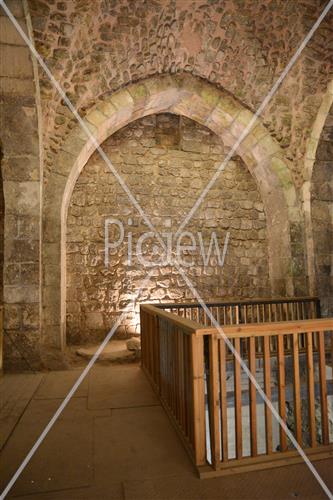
(114, 352)
(240, 53)
(321, 212)
(133, 344)
(15, 61)
(94, 59)
(166, 161)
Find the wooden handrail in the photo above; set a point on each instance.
(274, 328)
(186, 324)
(215, 303)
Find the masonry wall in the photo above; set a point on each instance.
(322, 216)
(166, 161)
(95, 47)
(21, 174)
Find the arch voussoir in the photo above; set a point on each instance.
(191, 97)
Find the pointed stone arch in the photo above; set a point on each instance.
(200, 101)
(310, 158)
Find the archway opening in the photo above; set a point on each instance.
(166, 160)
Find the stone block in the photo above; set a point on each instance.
(51, 316)
(139, 93)
(22, 140)
(16, 86)
(94, 320)
(30, 273)
(15, 61)
(8, 32)
(96, 118)
(21, 250)
(12, 274)
(30, 316)
(22, 197)
(51, 229)
(107, 108)
(20, 169)
(133, 344)
(122, 99)
(12, 316)
(51, 253)
(15, 7)
(21, 294)
(51, 274)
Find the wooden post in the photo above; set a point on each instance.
(297, 390)
(198, 399)
(282, 391)
(311, 394)
(268, 392)
(214, 401)
(224, 408)
(323, 388)
(238, 402)
(253, 402)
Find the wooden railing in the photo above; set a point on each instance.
(172, 357)
(217, 411)
(251, 311)
(248, 311)
(300, 386)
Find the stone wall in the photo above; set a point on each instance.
(322, 216)
(21, 173)
(94, 47)
(166, 160)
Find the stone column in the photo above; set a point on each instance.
(21, 170)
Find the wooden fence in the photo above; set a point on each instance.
(248, 311)
(187, 364)
(251, 311)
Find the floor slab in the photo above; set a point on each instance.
(295, 481)
(58, 384)
(16, 390)
(119, 386)
(125, 453)
(64, 459)
(138, 443)
(114, 491)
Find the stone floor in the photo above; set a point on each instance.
(114, 441)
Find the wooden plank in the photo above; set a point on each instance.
(256, 300)
(263, 462)
(182, 389)
(238, 401)
(214, 403)
(282, 390)
(274, 328)
(323, 388)
(268, 392)
(311, 394)
(198, 400)
(224, 408)
(252, 395)
(186, 324)
(297, 390)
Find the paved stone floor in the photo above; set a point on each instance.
(114, 441)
